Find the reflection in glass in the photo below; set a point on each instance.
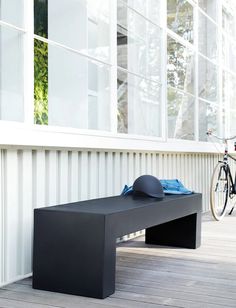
(229, 17)
(207, 80)
(87, 18)
(74, 91)
(229, 90)
(209, 7)
(40, 82)
(180, 18)
(12, 12)
(208, 119)
(150, 9)
(138, 43)
(11, 75)
(180, 115)
(207, 33)
(139, 110)
(229, 53)
(232, 122)
(41, 17)
(180, 66)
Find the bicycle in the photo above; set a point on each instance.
(223, 187)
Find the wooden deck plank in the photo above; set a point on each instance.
(150, 276)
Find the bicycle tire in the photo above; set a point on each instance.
(219, 191)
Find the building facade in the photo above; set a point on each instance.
(95, 93)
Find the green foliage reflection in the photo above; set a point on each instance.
(40, 64)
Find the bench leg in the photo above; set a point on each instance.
(73, 254)
(183, 232)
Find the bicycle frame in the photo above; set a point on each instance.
(225, 160)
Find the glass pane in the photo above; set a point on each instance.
(150, 9)
(41, 17)
(209, 7)
(229, 90)
(180, 66)
(208, 119)
(232, 123)
(139, 109)
(180, 18)
(229, 17)
(207, 36)
(12, 12)
(40, 82)
(75, 92)
(229, 53)
(207, 80)
(84, 25)
(11, 75)
(138, 43)
(180, 115)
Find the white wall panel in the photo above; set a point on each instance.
(43, 177)
(2, 221)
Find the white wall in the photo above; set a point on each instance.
(36, 178)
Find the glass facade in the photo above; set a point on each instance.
(125, 66)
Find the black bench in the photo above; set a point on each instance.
(75, 244)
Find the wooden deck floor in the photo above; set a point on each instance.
(156, 277)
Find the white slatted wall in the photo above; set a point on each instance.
(37, 178)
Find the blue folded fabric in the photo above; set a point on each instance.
(174, 187)
(127, 190)
(170, 187)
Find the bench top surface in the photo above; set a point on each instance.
(112, 205)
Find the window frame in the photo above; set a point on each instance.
(29, 134)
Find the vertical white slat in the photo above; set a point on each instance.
(109, 173)
(149, 163)
(63, 194)
(102, 175)
(93, 175)
(177, 160)
(39, 174)
(154, 164)
(12, 213)
(27, 212)
(143, 168)
(2, 233)
(74, 191)
(131, 171)
(171, 164)
(124, 169)
(183, 168)
(83, 175)
(164, 166)
(137, 171)
(159, 171)
(117, 187)
(51, 177)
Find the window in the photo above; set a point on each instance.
(124, 67)
(139, 70)
(71, 89)
(180, 18)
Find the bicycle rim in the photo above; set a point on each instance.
(219, 192)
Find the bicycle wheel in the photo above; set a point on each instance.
(219, 192)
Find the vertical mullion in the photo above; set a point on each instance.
(29, 62)
(164, 103)
(220, 72)
(196, 106)
(113, 61)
